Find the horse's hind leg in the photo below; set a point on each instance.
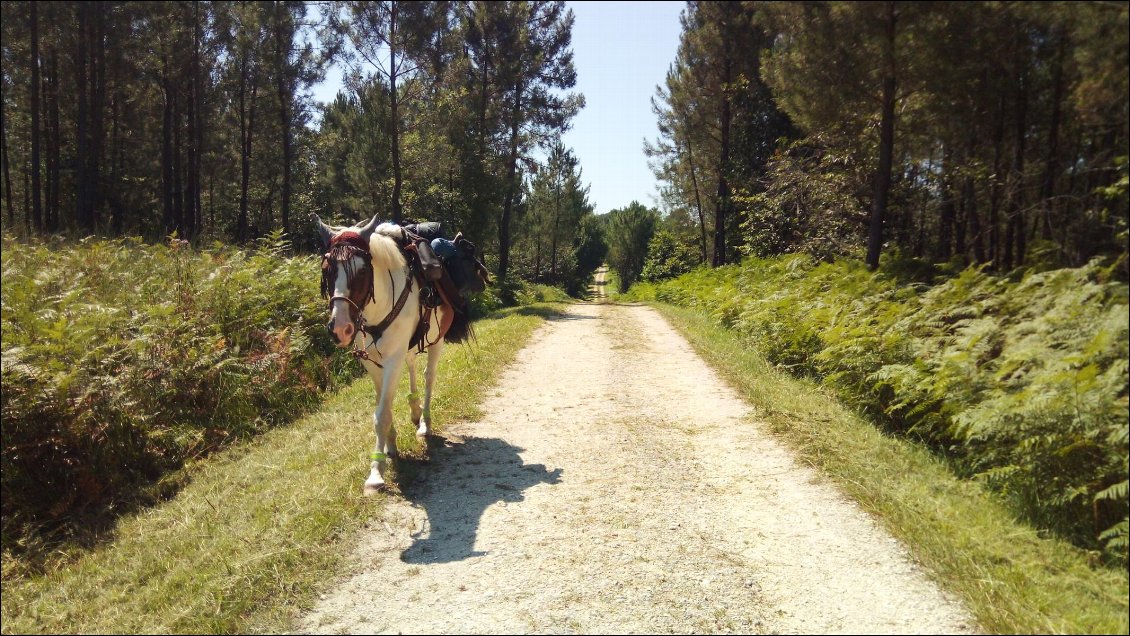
(434, 353)
(413, 395)
(382, 422)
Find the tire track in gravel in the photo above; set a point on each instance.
(617, 485)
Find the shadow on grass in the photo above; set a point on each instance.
(462, 480)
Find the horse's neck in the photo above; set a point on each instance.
(385, 293)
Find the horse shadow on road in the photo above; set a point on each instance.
(456, 486)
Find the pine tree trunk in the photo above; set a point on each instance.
(1015, 245)
(54, 143)
(394, 116)
(5, 160)
(244, 168)
(167, 148)
(37, 206)
(283, 54)
(178, 169)
(116, 164)
(960, 223)
(994, 253)
(537, 256)
(722, 205)
(701, 216)
(1047, 187)
(886, 147)
(556, 216)
(83, 81)
(97, 113)
(245, 157)
(196, 125)
(511, 173)
(697, 197)
(49, 174)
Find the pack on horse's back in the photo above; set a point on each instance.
(451, 271)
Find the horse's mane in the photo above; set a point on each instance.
(386, 253)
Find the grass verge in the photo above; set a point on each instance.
(1013, 580)
(260, 528)
(612, 285)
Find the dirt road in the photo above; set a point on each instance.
(599, 284)
(617, 485)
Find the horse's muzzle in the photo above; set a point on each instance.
(343, 335)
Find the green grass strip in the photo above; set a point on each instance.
(261, 527)
(1014, 581)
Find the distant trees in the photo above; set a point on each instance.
(978, 132)
(534, 62)
(192, 117)
(556, 201)
(629, 231)
(718, 122)
(404, 44)
(667, 257)
(481, 86)
(152, 118)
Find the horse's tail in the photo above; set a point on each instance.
(460, 329)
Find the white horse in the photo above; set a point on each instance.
(374, 298)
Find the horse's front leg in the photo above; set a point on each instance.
(385, 447)
(413, 395)
(425, 424)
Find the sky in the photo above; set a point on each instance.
(621, 51)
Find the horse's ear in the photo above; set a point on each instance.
(324, 232)
(367, 230)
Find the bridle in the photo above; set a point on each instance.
(342, 249)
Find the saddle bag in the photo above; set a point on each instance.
(430, 265)
(429, 230)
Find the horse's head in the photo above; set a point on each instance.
(347, 276)
(467, 271)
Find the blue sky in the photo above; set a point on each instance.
(621, 51)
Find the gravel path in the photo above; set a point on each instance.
(617, 485)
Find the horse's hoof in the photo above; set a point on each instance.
(372, 489)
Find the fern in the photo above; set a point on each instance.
(121, 361)
(1021, 381)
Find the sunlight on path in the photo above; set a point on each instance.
(617, 485)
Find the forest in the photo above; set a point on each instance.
(972, 133)
(195, 119)
(965, 151)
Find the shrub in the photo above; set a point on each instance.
(667, 257)
(122, 361)
(1020, 381)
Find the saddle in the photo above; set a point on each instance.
(438, 290)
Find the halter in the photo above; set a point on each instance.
(342, 249)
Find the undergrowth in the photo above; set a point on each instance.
(124, 361)
(264, 526)
(1020, 381)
